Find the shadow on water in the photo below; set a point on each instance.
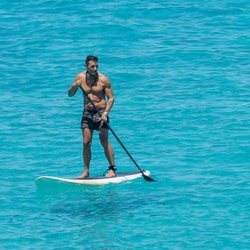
(96, 212)
(53, 189)
(88, 202)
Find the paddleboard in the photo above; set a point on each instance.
(97, 180)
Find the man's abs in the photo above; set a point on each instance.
(99, 105)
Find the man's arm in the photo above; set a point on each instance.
(109, 93)
(75, 85)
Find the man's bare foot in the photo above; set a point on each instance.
(85, 174)
(111, 172)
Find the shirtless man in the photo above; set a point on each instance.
(97, 87)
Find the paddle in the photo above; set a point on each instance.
(147, 178)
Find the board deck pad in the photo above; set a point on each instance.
(95, 180)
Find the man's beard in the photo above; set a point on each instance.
(92, 77)
(92, 74)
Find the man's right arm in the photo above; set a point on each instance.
(75, 85)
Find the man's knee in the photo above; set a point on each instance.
(104, 142)
(87, 143)
(87, 138)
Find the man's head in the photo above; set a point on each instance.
(91, 64)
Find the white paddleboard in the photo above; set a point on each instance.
(97, 180)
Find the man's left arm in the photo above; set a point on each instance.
(110, 95)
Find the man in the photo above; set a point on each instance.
(98, 88)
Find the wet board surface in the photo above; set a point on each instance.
(95, 180)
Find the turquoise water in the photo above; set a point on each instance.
(180, 73)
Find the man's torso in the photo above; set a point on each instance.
(96, 92)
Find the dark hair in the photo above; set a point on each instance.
(91, 58)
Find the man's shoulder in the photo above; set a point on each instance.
(103, 78)
(81, 74)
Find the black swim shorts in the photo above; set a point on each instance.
(92, 120)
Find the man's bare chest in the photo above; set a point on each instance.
(96, 89)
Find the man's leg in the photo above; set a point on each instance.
(86, 153)
(103, 135)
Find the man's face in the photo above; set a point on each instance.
(92, 68)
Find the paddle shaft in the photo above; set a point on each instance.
(117, 138)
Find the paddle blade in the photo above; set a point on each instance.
(147, 178)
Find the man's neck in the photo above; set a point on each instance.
(91, 79)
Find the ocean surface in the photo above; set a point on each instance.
(180, 74)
